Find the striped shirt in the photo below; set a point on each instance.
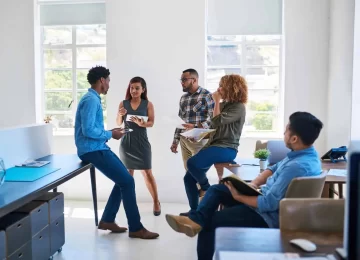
(196, 108)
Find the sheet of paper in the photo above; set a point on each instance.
(128, 116)
(233, 255)
(197, 133)
(337, 172)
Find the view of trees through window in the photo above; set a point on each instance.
(68, 54)
(257, 58)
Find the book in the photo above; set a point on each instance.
(34, 164)
(198, 134)
(240, 185)
(128, 117)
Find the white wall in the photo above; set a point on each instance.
(355, 121)
(340, 72)
(17, 86)
(306, 25)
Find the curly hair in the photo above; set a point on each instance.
(234, 88)
(97, 73)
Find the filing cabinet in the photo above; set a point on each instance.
(56, 204)
(57, 233)
(23, 253)
(17, 229)
(40, 245)
(2, 246)
(39, 215)
(55, 201)
(38, 212)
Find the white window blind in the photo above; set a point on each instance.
(53, 14)
(244, 17)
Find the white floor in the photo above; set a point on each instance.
(85, 241)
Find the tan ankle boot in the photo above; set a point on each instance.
(183, 224)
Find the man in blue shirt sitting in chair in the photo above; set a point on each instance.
(90, 140)
(255, 211)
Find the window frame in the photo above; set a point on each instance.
(75, 90)
(279, 114)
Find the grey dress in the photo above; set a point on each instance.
(135, 149)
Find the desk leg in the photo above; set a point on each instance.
(341, 194)
(93, 187)
(331, 191)
(55, 190)
(326, 191)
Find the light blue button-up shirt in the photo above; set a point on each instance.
(297, 164)
(90, 134)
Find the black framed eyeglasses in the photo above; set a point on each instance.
(185, 79)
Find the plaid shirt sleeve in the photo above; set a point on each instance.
(210, 108)
(177, 133)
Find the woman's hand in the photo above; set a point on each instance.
(139, 121)
(122, 111)
(216, 96)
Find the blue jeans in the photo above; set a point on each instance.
(235, 214)
(110, 165)
(198, 165)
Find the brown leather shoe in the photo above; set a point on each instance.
(113, 227)
(143, 234)
(183, 225)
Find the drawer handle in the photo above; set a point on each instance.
(39, 210)
(57, 224)
(56, 199)
(40, 237)
(20, 255)
(19, 225)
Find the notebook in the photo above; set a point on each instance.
(28, 174)
(239, 184)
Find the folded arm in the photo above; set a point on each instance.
(210, 108)
(222, 118)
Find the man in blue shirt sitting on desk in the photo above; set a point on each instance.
(90, 139)
(255, 211)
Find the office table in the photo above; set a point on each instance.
(14, 195)
(268, 240)
(250, 172)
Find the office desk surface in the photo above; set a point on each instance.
(16, 194)
(248, 173)
(273, 240)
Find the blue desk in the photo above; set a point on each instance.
(14, 195)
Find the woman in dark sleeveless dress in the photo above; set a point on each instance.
(135, 149)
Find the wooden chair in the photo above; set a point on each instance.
(306, 187)
(312, 215)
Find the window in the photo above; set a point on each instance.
(68, 54)
(257, 58)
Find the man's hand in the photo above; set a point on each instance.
(253, 185)
(117, 133)
(235, 194)
(216, 96)
(173, 148)
(188, 126)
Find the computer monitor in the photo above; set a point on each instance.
(352, 210)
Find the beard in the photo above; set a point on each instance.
(186, 89)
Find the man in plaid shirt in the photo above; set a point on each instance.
(196, 109)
